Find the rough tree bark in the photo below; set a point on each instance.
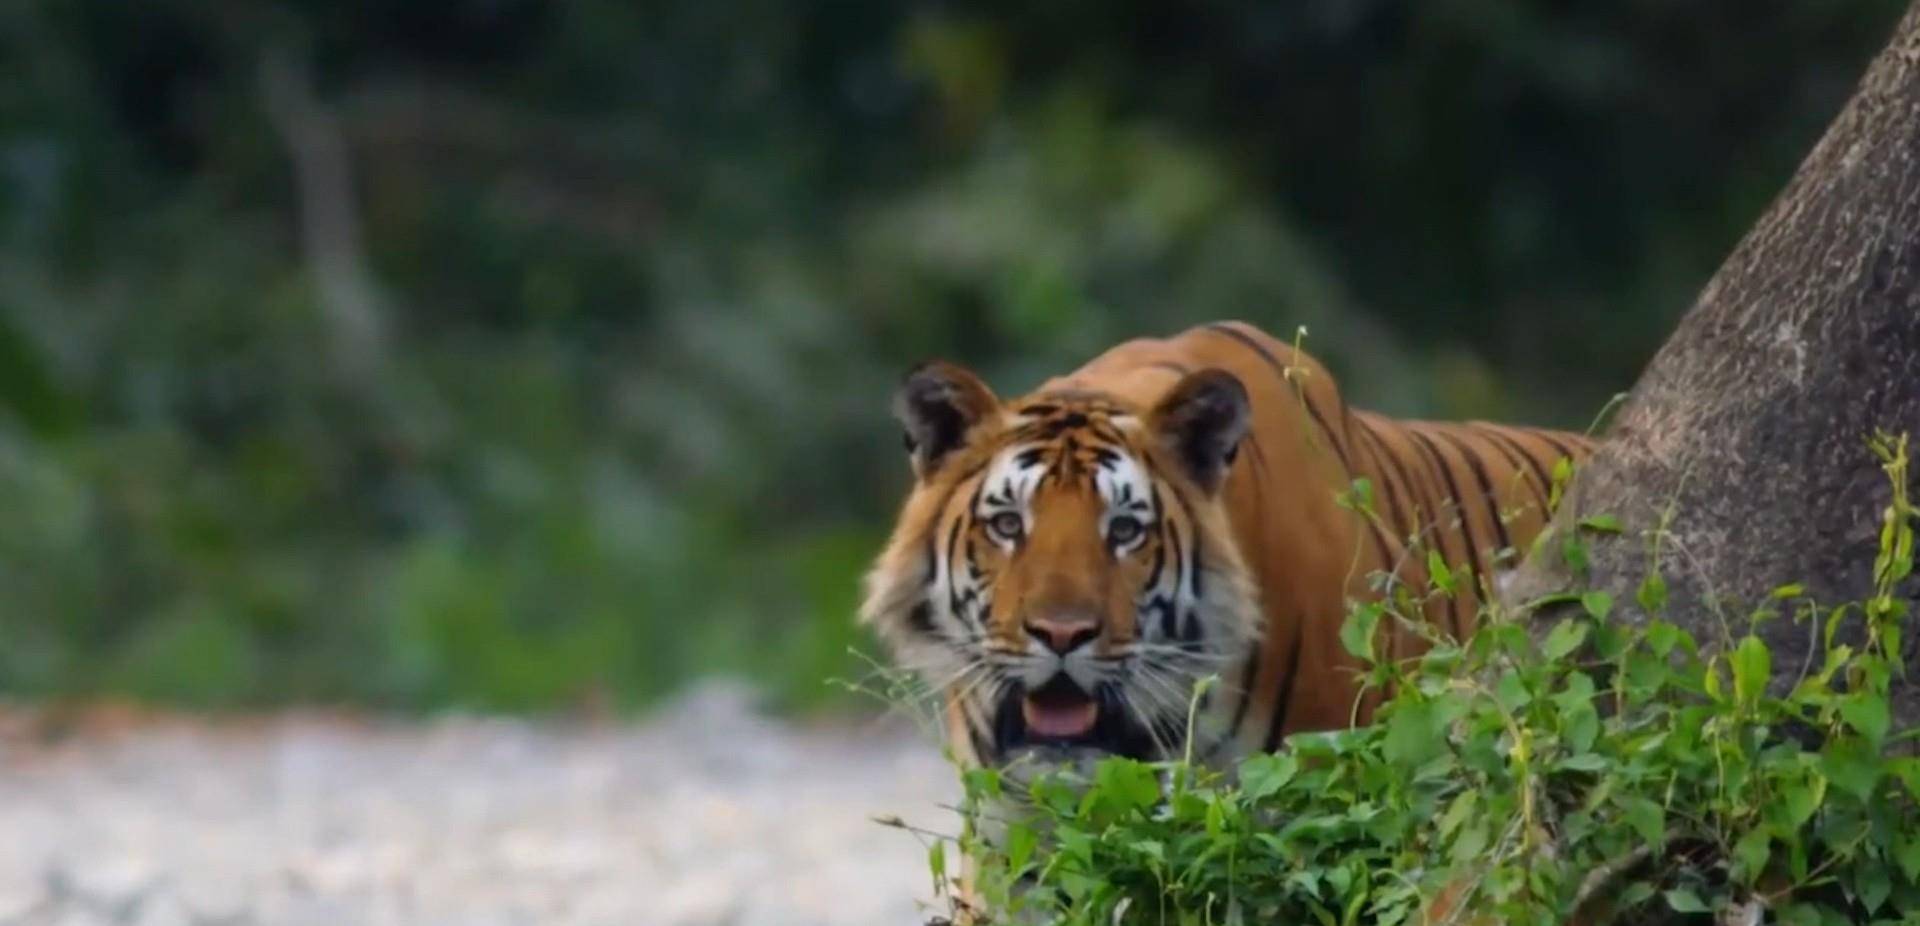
(1752, 421)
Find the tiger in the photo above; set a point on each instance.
(1068, 566)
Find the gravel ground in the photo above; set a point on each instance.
(706, 814)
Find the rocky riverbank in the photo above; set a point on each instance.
(708, 813)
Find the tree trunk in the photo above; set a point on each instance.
(1751, 423)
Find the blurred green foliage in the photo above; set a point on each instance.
(508, 354)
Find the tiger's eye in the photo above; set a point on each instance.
(1123, 529)
(1006, 524)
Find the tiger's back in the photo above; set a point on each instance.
(1475, 492)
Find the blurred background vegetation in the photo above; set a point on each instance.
(504, 354)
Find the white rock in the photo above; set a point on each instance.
(707, 813)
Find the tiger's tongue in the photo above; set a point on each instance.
(1059, 717)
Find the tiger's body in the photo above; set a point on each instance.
(1069, 564)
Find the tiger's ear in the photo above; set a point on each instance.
(939, 404)
(1202, 421)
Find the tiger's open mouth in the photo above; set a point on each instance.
(1062, 717)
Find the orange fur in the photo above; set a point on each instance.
(1287, 556)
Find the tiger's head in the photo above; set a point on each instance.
(1063, 572)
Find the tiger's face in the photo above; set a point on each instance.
(1062, 573)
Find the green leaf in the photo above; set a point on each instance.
(1263, 776)
(1359, 496)
(1340, 879)
(1790, 591)
(1354, 905)
(1872, 884)
(1457, 812)
(1603, 523)
(1662, 637)
(1752, 668)
(1127, 784)
(1581, 727)
(1652, 595)
(1801, 914)
(982, 782)
(1151, 848)
(1437, 571)
(937, 859)
(1648, 819)
(1574, 553)
(1472, 841)
(1800, 800)
(1414, 734)
(1598, 604)
(1852, 766)
(1866, 713)
(1906, 853)
(1512, 693)
(1684, 900)
(1565, 638)
(1562, 471)
(1908, 770)
(1021, 841)
(1751, 852)
(1585, 762)
(1357, 632)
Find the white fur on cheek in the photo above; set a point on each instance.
(954, 599)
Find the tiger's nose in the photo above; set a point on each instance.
(1062, 635)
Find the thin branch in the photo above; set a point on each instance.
(329, 212)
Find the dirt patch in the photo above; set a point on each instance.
(707, 814)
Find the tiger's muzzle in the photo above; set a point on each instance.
(1061, 720)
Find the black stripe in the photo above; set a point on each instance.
(1193, 567)
(1192, 579)
(1433, 513)
(973, 502)
(1169, 616)
(1248, 676)
(1465, 523)
(956, 602)
(1102, 429)
(1550, 438)
(1257, 459)
(920, 621)
(1277, 725)
(1417, 496)
(1280, 371)
(1412, 527)
(1346, 418)
(1479, 474)
(946, 501)
(1540, 467)
(1415, 488)
(1439, 465)
(1175, 560)
(953, 539)
(1320, 422)
(983, 746)
(1474, 548)
(1524, 461)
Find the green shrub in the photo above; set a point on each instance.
(1605, 770)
